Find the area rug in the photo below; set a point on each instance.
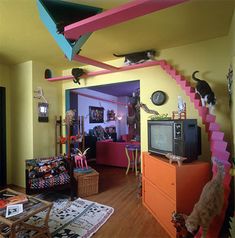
(80, 218)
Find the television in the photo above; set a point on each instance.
(179, 137)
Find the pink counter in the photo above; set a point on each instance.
(112, 153)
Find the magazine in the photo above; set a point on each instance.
(12, 199)
(13, 210)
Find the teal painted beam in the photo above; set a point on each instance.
(51, 18)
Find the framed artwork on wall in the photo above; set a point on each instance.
(96, 114)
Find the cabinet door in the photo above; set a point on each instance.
(159, 205)
(161, 174)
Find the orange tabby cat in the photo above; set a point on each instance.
(210, 202)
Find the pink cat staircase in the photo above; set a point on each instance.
(217, 143)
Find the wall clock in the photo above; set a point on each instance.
(158, 97)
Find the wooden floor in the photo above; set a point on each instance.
(130, 218)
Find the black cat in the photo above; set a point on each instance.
(77, 73)
(138, 57)
(205, 92)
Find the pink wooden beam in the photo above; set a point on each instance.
(117, 15)
(102, 99)
(96, 63)
(105, 71)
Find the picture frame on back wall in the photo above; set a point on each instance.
(96, 114)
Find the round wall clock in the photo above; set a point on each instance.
(158, 97)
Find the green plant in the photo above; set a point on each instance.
(159, 117)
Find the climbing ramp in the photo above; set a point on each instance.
(216, 139)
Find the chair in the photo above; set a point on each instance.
(134, 150)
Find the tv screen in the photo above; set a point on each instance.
(161, 136)
(179, 137)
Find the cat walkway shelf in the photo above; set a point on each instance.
(79, 21)
(107, 71)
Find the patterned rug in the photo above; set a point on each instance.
(80, 218)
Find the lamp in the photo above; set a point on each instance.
(119, 117)
(42, 106)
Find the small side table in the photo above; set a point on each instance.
(134, 150)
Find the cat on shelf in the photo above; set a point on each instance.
(210, 202)
(138, 57)
(205, 92)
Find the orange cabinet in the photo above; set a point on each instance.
(168, 187)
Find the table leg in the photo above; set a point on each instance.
(129, 162)
(136, 162)
(13, 232)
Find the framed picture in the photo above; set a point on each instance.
(96, 114)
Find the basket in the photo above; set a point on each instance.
(87, 184)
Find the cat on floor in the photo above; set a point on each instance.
(138, 57)
(210, 202)
(205, 92)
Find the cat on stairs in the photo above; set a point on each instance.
(205, 92)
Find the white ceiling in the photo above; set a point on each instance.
(24, 37)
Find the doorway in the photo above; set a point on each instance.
(3, 167)
(121, 120)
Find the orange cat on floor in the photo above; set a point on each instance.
(210, 202)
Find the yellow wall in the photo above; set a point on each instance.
(30, 138)
(210, 57)
(43, 133)
(232, 55)
(5, 82)
(22, 119)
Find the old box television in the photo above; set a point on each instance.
(179, 137)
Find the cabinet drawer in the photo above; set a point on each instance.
(160, 206)
(161, 174)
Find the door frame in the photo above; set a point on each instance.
(3, 150)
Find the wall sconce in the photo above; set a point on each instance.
(42, 106)
(43, 112)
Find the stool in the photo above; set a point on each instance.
(134, 149)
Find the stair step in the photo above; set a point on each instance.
(216, 135)
(183, 82)
(219, 145)
(168, 68)
(221, 155)
(163, 63)
(178, 78)
(203, 110)
(189, 89)
(197, 103)
(210, 118)
(173, 72)
(192, 96)
(187, 84)
(212, 126)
